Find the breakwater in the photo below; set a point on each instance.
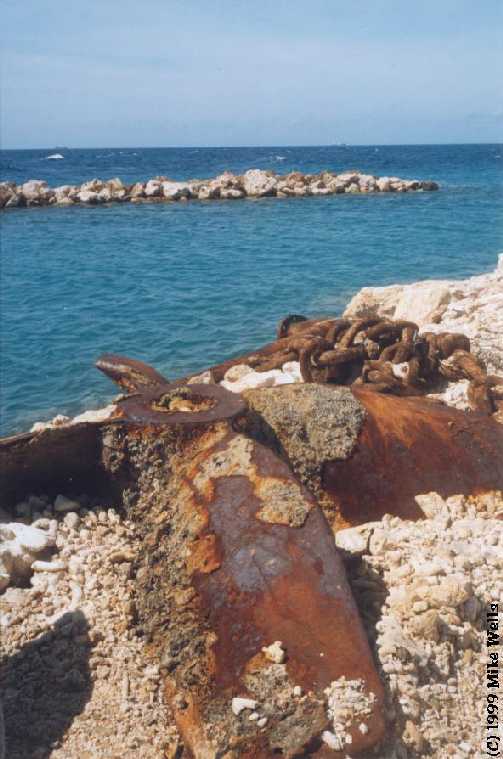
(254, 183)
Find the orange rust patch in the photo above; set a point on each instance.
(189, 721)
(409, 446)
(204, 556)
(256, 663)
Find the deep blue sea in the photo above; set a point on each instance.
(182, 286)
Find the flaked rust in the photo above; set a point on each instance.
(409, 446)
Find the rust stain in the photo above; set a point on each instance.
(204, 556)
(278, 583)
(410, 446)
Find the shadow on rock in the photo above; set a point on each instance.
(44, 686)
(370, 592)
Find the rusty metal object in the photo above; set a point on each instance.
(129, 373)
(255, 563)
(164, 405)
(410, 446)
(238, 555)
(390, 356)
(289, 323)
(60, 460)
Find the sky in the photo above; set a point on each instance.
(163, 73)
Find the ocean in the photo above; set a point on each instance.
(182, 286)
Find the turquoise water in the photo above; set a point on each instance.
(182, 286)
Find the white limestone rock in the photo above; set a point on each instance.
(454, 394)
(115, 184)
(176, 190)
(7, 190)
(232, 193)
(48, 566)
(254, 379)
(15, 200)
(206, 192)
(95, 415)
(205, 378)
(36, 192)
(240, 704)
(237, 372)
(225, 181)
(383, 184)
(275, 652)
(292, 369)
(152, 188)
(258, 183)
(352, 540)
(19, 546)
(347, 178)
(137, 190)
(94, 185)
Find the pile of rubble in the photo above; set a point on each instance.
(78, 681)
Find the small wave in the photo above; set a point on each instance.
(54, 157)
(280, 157)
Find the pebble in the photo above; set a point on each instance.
(48, 566)
(352, 541)
(239, 704)
(72, 520)
(275, 652)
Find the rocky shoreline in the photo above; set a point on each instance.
(254, 183)
(96, 601)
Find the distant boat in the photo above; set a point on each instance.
(54, 157)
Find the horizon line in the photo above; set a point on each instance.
(251, 147)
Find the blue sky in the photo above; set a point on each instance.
(235, 72)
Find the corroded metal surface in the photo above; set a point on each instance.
(60, 460)
(129, 373)
(237, 553)
(411, 446)
(255, 546)
(385, 355)
(174, 404)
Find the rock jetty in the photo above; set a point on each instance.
(254, 183)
